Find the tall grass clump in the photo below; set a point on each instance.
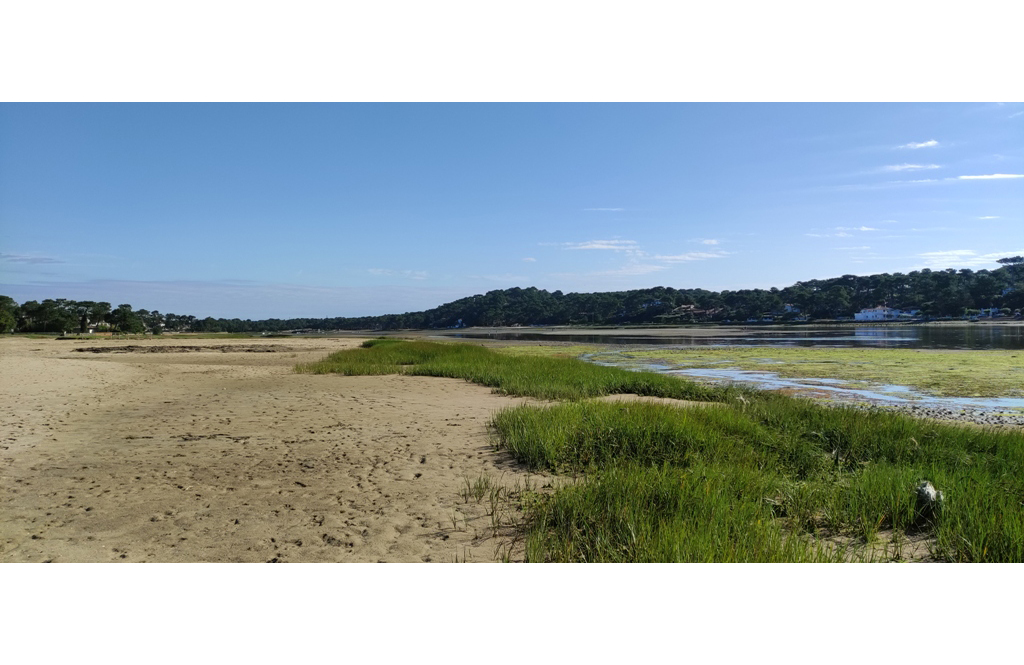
(630, 513)
(584, 436)
(827, 472)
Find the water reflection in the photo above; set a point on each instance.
(1010, 337)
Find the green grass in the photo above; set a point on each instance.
(632, 513)
(756, 476)
(548, 350)
(821, 472)
(991, 373)
(541, 377)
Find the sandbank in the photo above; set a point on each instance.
(221, 454)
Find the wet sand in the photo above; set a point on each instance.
(216, 454)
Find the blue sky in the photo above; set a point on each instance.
(284, 210)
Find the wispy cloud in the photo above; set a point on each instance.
(407, 274)
(604, 209)
(631, 269)
(889, 184)
(963, 258)
(992, 176)
(990, 217)
(690, 256)
(529, 259)
(840, 234)
(854, 249)
(506, 278)
(923, 144)
(1014, 115)
(615, 245)
(910, 167)
(28, 258)
(855, 228)
(637, 260)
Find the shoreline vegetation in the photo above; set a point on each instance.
(742, 475)
(922, 295)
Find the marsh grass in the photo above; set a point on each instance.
(634, 513)
(819, 472)
(530, 376)
(756, 477)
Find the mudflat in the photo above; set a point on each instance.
(221, 452)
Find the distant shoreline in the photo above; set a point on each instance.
(697, 330)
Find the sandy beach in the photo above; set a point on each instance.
(215, 450)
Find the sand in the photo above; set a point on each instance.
(225, 454)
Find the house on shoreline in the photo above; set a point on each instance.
(883, 313)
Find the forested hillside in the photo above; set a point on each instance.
(937, 294)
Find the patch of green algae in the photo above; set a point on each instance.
(995, 373)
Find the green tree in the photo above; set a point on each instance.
(124, 320)
(8, 314)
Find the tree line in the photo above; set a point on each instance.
(935, 293)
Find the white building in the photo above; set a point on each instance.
(882, 313)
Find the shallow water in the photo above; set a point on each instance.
(829, 388)
(883, 393)
(967, 336)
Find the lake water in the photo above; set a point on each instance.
(967, 336)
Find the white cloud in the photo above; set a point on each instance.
(924, 144)
(964, 258)
(408, 274)
(604, 209)
(855, 228)
(990, 217)
(690, 256)
(840, 234)
(529, 259)
(632, 269)
(993, 176)
(709, 241)
(910, 167)
(616, 245)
